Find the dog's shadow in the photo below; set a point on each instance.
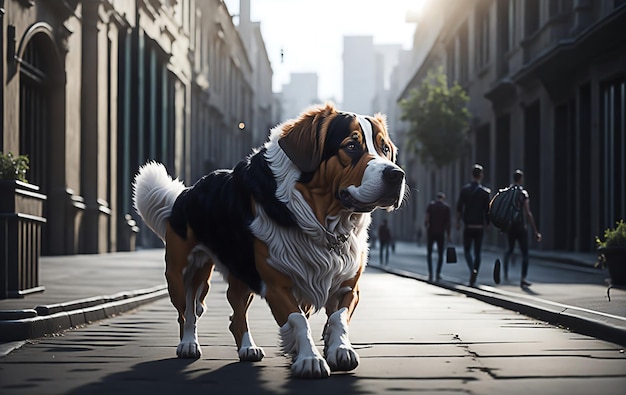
(174, 375)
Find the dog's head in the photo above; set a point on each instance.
(345, 157)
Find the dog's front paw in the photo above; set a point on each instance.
(311, 367)
(342, 358)
(188, 349)
(251, 354)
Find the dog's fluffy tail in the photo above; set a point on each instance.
(154, 194)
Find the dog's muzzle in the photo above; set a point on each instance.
(386, 193)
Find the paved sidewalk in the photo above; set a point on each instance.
(81, 289)
(567, 289)
(85, 288)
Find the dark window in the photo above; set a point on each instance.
(483, 145)
(503, 148)
(463, 60)
(482, 38)
(531, 14)
(613, 151)
(532, 155)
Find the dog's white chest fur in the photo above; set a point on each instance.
(306, 253)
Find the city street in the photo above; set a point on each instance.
(412, 337)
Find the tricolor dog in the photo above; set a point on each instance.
(288, 223)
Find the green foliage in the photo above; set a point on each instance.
(438, 118)
(615, 237)
(13, 167)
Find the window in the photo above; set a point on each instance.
(482, 38)
(557, 7)
(613, 151)
(531, 16)
(463, 54)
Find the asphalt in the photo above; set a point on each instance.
(567, 291)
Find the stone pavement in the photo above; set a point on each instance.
(80, 289)
(412, 337)
(567, 289)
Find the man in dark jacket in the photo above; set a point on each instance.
(437, 223)
(473, 208)
(384, 237)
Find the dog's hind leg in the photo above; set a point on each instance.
(240, 296)
(177, 250)
(196, 279)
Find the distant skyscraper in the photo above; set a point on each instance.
(299, 93)
(366, 73)
(359, 74)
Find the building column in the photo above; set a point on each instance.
(94, 141)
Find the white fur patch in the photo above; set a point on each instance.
(154, 194)
(249, 351)
(297, 341)
(369, 135)
(303, 254)
(338, 350)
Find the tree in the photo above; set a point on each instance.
(439, 119)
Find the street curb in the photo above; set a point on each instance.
(587, 322)
(45, 320)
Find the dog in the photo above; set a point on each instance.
(289, 223)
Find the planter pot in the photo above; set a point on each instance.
(615, 261)
(21, 208)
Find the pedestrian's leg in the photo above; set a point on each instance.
(507, 254)
(387, 254)
(429, 255)
(467, 243)
(523, 245)
(478, 245)
(439, 241)
(473, 272)
(380, 261)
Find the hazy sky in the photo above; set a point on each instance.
(310, 34)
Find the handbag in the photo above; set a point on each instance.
(450, 255)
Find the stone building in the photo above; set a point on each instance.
(92, 89)
(547, 87)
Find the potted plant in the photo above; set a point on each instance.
(612, 252)
(13, 167)
(21, 210)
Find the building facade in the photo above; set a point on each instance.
(547, 87)
(92, 89)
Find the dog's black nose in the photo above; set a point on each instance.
(393, 175)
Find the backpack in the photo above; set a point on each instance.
(505, 209)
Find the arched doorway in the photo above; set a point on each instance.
(41, 119)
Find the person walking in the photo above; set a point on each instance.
(384, 238)
(473, 208)
(519, 231)
(437, 224)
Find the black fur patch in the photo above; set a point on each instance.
(218, 209)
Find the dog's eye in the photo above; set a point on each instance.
(386, 149)
(351, 146)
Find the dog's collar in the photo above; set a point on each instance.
(335, 242)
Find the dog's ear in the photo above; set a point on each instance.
(303, 138)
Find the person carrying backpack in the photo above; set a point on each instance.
(518, 231)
